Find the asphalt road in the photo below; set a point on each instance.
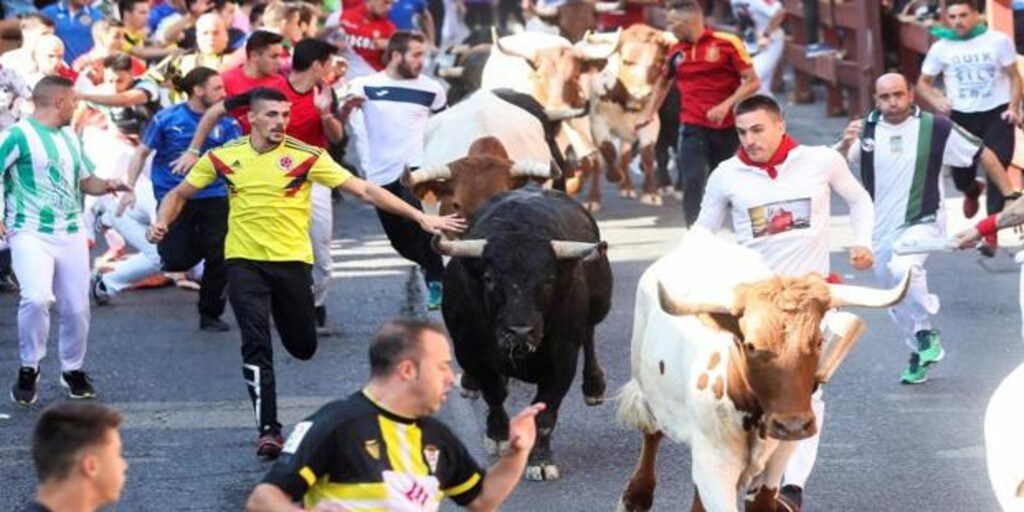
(189, 432)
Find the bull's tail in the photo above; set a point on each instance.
(633, 409)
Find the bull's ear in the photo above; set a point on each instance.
(841, 331)
(441, 190)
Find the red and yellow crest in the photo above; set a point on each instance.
(712, 54)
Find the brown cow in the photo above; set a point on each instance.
(620, 93)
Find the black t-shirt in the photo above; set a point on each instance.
(360, 455)
(34, 506)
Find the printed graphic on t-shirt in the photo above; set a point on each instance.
(896, 144)
(975, 73)
(411, 493)
(780, 217)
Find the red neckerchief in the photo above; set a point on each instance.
(787, 145)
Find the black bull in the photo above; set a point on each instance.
(523, 306)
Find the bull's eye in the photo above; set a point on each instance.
(488, 281)
(750, 346)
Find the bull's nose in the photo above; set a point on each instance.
(791, 427)
(521, 330)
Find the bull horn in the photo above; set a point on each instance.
(846, 295)
(532, 170)
(566, 250)
(425, 174)
(591, 53)
(512, 52)
(452, 72)
(460, 248)
(561, 114)
(603, 7)
(544, 11)
(676, 307)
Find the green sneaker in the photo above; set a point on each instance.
(434, 295)
(915, 372)
(929, 346)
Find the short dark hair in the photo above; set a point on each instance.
(758, 102)
(399, 42)
(261, 94)
(256, 14)
(972, 4)
(125, 6)
(64, 430)
(397, 340)
(308, 51)
(195, 78)
(118, 62)
(260, 40)
(43, 92)
(691, 6)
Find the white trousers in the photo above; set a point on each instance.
(914, 312)
(52, 268)
(132, 226)
(321, 230)
(766, 62)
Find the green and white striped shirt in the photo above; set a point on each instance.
(42, 167)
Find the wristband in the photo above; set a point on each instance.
(987, 226)
(194, 151)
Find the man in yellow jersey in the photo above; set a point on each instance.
(267, 252)
(380, 449)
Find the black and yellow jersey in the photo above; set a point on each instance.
(360, 455)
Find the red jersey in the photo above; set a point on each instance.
(304, 123)
(362, 30)
(631, 14)
(237, 82)
(706, 73)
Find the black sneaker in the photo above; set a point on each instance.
(211, 324)
(78, 384)
(98, 291)
(269, 445)
(26, 389)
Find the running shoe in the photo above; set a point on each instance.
(915, 372)
(78, 385)
(212, 324)
(26, 388)
(971, 199)
(269, 445)
(98, 291)
(434, 295)
(929, 346)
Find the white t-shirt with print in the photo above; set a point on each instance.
(972, 70)
(395, 116)
(895, 149)
(787, 219)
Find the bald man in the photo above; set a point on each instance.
(900, 151)
(211, 52)
(48, 60)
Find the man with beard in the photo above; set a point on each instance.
(199, 233)
(395, 104)
(267, 248)
(900, 152)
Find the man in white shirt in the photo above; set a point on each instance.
(761, 28)
(779, 194)
(982, 93)
(900, 152)
(396, 104)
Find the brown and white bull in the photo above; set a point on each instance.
(725, 357)
(619, 94)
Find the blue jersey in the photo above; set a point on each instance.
(403, 13)
(169, 136)
(73, 28)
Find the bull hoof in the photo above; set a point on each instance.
(593, 400)
(651, 199)
(627, 193)
(495, 447)
(625, 506)
(592, 206)
(470, 394)
(467, 388)
(542, 472)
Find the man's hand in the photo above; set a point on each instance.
(184, 163)
(718, 113)
(127, 201)
(323, 100)
(861, 257)
(349, 104)
(435, 224)
(522, 430)
(967, 239)
(763, 41)
(1011, 116)
(114, 186)
(944, 106)
(156, 232)
(3, 230)
(852, 131)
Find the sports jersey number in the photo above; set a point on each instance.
(410, 493)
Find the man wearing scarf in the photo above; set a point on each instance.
(982, 94)
(900, 152)
(779, 195)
